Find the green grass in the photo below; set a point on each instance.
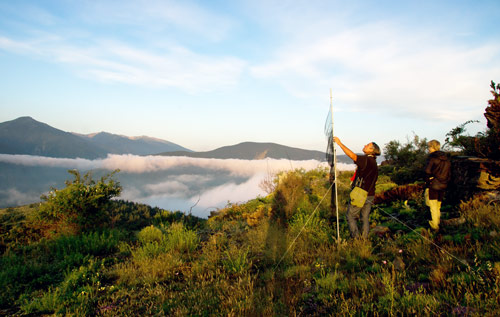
(256, 258)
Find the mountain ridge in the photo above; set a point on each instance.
(26, 135)
(257, 150)
(139, 145)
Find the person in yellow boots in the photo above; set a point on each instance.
(438, 171)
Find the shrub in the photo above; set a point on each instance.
(149, 250)
(83, 201)
(181, 239)
(150, 234)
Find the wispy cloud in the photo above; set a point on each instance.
(112, 61)
(377, 63)
(157, 17)
(151, 47)
(377, 67)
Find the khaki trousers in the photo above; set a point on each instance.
(435, 207)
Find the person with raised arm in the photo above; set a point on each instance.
(363, 187)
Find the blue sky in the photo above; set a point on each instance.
(205, 74)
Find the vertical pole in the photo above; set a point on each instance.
(334, 190)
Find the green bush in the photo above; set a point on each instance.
(150, 234)
(83, 201)
(149, 250)
(181, 239)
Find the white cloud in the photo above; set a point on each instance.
(386, 67)
(219, 196)
(112, 61)
(238, 182)
(200, 179)
(15, 46)
(149, 46)
(237, 167)
(32, 160)
(168, 188)
(142, 164)
(131, 193)
(14, 197)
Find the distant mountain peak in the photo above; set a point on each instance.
(258, 151)
(25, 135)
(24, 118)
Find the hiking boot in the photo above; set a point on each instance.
(433, 228)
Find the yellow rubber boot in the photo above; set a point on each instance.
(435, 207)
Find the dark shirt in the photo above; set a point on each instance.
(366, 173)
(438, 170)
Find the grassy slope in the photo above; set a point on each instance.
(276, 255)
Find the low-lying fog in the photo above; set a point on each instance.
(173, 183)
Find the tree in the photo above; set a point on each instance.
(457, 141)
(483, 144)
(83, 202)
(405, 162)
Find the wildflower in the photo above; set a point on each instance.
(400, 251)
(385, 262)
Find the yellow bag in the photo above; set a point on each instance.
(358, 196)
(426, 195)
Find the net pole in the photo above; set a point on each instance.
(334, 190)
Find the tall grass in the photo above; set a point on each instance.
(42, 264)
(246, 261)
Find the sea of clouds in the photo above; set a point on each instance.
(196, 185)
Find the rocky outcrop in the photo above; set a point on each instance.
(471, 175)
